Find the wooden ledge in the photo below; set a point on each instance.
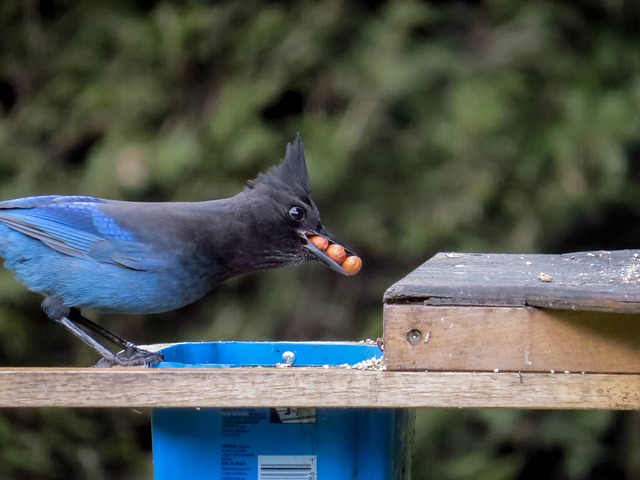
(584, 281)
(312, 387)
(576, 312)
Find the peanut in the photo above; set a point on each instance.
(336, 252)
(352, 265)
(320, 242)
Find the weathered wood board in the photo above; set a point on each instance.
(310, 387)
(510, 339)
(601, 281)
(482, 312)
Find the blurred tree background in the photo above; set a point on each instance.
(489, 125)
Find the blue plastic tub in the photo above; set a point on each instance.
(279, 442)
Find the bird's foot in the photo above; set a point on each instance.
(131, 357)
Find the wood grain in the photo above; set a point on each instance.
(311, 387)
(596, 281)
(511, 339)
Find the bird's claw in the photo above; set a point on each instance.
(131, 357)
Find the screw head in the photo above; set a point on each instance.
(413, 336)
(288, 357)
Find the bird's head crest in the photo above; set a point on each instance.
(290, 174)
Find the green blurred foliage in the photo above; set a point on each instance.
(471, 125)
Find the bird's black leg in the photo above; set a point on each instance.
(107, 355)
(71, 319)
(75, 316)
(132, 354)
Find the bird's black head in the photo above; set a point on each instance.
(286, 215)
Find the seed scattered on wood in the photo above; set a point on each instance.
(545, 277)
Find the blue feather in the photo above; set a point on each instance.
(75, 226)
(43, 200)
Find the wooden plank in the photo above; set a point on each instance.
(576, 281)
(509, 338)
(464, 279)
(311, 387)
(595, 298)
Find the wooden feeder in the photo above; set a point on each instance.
(574, 314)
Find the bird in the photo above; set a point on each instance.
(120, 257)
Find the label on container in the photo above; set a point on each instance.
(237, 451)
(253, 441)
(287, 467)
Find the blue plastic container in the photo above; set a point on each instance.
(280, 442)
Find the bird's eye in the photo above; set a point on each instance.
(297, 213)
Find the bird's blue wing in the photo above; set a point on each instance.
(45, 200)
(75, 226)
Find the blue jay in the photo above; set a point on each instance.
(141, 258)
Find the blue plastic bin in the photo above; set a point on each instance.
(280, 442)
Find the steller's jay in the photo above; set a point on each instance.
(133, 257)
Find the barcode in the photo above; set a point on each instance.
(287, 467)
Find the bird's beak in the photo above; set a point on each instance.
(321, 254)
